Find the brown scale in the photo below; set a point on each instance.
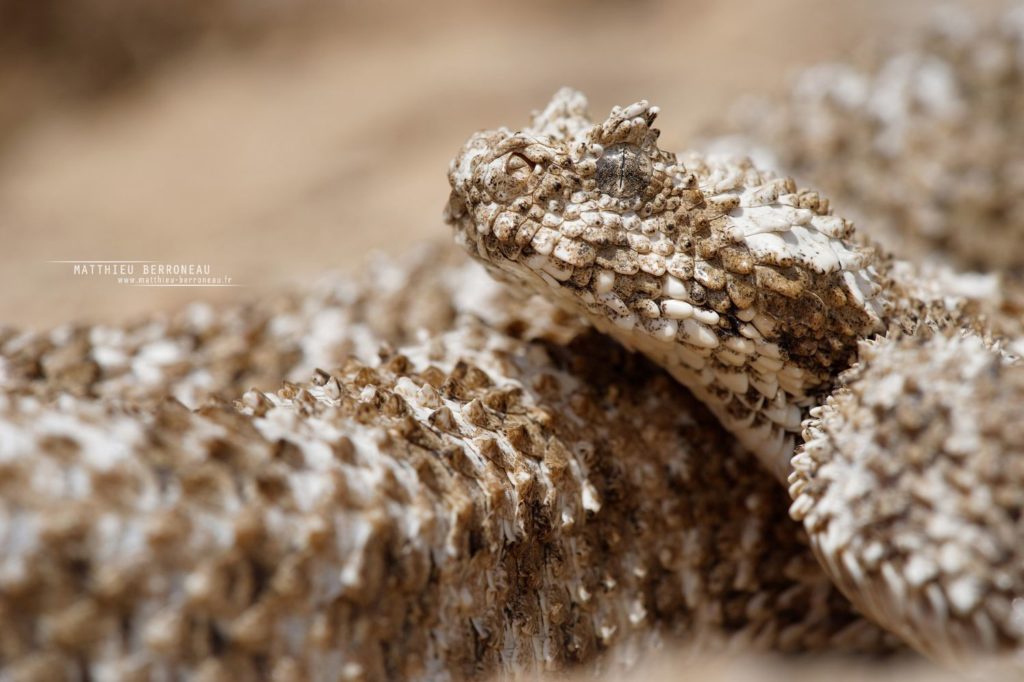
(526, 232)
(581, 276)
(641, 285)
(737, 259)
(509, 250)
(709, 276)
(784, 293)
(622, 261)
(827, 329)
(680, 265)
(742, 291)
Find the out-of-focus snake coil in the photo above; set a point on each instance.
(453, 498)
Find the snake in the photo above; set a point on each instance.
(418, 473)
(866, 384)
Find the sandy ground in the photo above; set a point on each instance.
(281, 160)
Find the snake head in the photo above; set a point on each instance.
(515, 194)
(748, 290)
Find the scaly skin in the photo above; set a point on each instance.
(446, 500)
(921, 142)
(911, 486)
(753, 295)
(747, 291)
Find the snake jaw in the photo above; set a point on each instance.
(746, 289)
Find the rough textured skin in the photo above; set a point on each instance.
(473, 487)
(747, 290)
(911, 485)
(923, 143)
(476, 501)
(894, 490)
(201, 352)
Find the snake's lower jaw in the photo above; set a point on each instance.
(911, 488)
(770, 432)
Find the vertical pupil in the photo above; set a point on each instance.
(623, 170)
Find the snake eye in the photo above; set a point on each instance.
(623, 170)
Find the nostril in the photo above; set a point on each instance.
(503, 182)
(516, 161)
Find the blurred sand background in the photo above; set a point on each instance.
(274, 140)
